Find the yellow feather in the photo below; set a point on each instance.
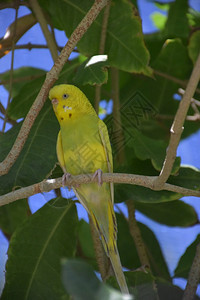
(83, 146)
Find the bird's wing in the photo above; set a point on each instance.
(60, 154)
(108, 151)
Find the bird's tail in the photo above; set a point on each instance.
(117, 267)
(110, 247)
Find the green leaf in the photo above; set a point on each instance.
(148, 148)
(174, 213)
(22, 102)
(185, 262)
(168, 291)
(12, 215)
(188, 177)
(86, 243)
(193, 17)
(36, 249)
(92, 71)
(159, 20)
(177, 22)
(124, 44)
(194, 46)
(21, 76)
(125, 192)
(82, 284)
(128, 253)
(174, 59)
(149, 104)
(38, 155)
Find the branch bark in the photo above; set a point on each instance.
(194, 277)
(101, 51)
(51, 77)
(177, 127)
(50, 184)
(117, 124)
(101, 257)
(43, 24)
(182, 83)
(136, 235)
(11, 69)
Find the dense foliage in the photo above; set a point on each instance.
(147, 71)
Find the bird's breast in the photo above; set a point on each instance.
(82, 146)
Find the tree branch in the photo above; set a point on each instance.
(51, 77)
(139, 243)
(12, 4)
(194, 277)
(182, 83)
(11, 69)
(101, 51)
(19, 79)
(43, 24)
(51, 184)
(177, 126)
(117, 124)
(136, 235)
(101, 257)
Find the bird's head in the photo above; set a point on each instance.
(69, 102)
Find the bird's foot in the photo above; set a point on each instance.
(98, 173)
(66, 176)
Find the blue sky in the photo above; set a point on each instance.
(173, 240)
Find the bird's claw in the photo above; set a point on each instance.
(66, 176)
(98, 173)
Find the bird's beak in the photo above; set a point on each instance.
(54, 101)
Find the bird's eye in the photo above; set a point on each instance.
(65, 96)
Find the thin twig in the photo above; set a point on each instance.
(136, 234)
(139, 243)
(11, 68)
(43, 24)
(194, 277)
(182, 83)
(19, 79)
(101, 51)
(51, 77)
(117, 124)
(195, 117)
(12, 4)
(194, 103)
(104, 28)
(29, 46)
(101, 257)
(51, 184)
(177, 126)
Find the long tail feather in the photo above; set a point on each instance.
(112, 252)
(117, 267)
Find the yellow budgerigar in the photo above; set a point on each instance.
(83, 146)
